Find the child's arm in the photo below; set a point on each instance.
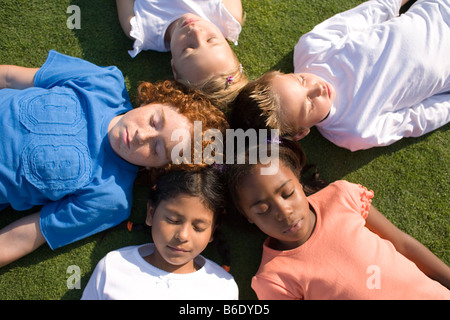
(20, 238)
(16, 77)
(235, 8)
(412, 249)
(125, 11)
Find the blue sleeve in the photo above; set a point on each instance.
(84, 213)
(63, 70)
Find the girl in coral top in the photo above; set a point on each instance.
(332, 244)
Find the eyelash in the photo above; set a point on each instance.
(284, 197)
(172, 221)
(289, 195)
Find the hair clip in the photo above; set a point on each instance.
(272, 140)
(229, 79)
(220, 167)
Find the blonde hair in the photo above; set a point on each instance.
(258, 106)
(221, 89)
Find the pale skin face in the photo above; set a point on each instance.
(278, 206)
(199, 49)
(182, 227)
(143, 136)
(305, 99)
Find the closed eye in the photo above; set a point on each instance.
(171, 220)
(289, 194)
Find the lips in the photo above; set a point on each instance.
(328, 90)
(177, 249)
(188, 21)
(126, 138)
(294, 227)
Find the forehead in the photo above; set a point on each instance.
(188, 207)
(291, 96)
(286, 87)
(210, 60)
(255, 182)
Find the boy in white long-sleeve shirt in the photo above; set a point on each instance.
(365, 77)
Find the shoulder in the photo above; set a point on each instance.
(216, 277)
(339, 187)
(115, 258)
(344, 194)
(215, 270)
(125, 253)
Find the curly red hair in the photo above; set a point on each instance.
(188, 102)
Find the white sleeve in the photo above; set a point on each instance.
(330, 32)
(390, 127)
(361, 17)
(96, 284)
(419, 119)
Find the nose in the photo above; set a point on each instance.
(144, 136)
(315, 90)
(283, 210)
(182, 233)
(195, 35)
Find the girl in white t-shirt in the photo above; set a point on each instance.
(365, 77)
(197, 34)
(183, 211)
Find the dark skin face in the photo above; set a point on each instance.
(278, 206)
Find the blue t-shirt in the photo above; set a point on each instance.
(56, 151)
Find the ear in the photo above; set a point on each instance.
(172, 64)
(301, 134)
(150, 212)
(211, 239)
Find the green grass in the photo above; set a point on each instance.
(410, 178)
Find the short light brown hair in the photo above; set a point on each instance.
(258, 106)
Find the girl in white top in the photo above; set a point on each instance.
(197, 34)
(368, 77)
(183, 211)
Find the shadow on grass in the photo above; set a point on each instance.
(334, 162)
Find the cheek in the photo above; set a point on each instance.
(161, 232)
(201, 241)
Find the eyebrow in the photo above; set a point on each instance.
(276, 191)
